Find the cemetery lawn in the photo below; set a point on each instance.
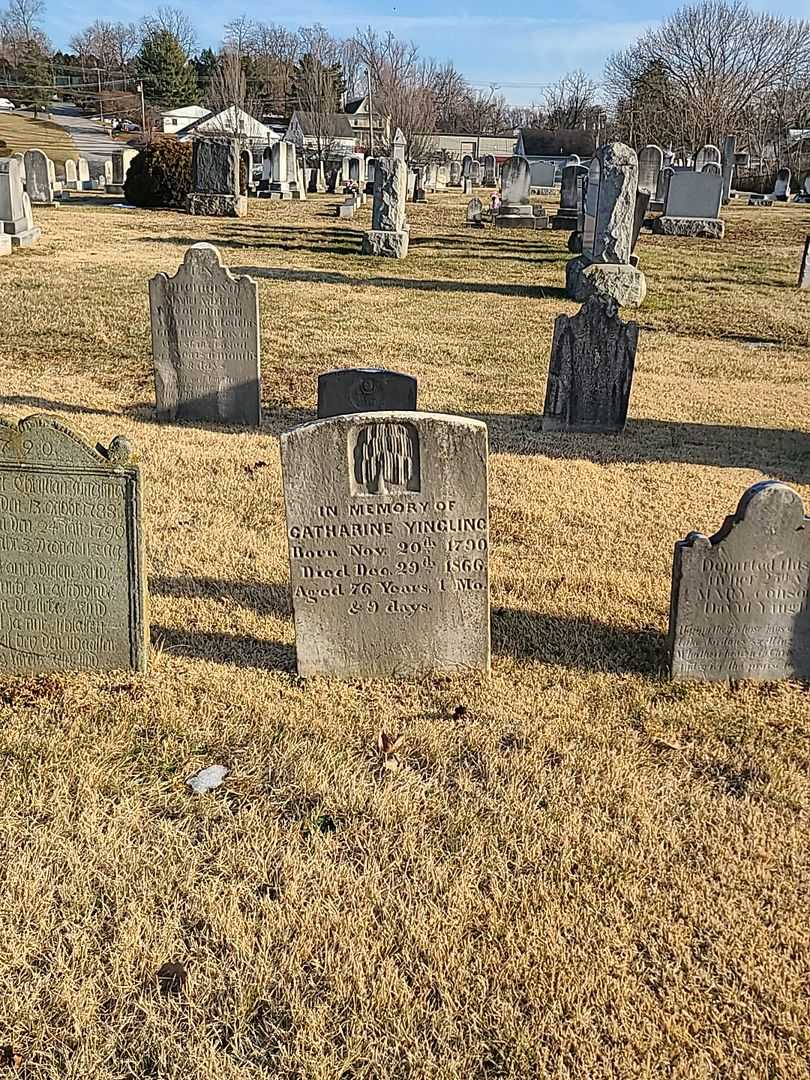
(21, 133)
(580, 870)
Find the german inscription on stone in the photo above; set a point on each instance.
(205, 342)
(387, 527)
(740, 604)
(71, 564)
(351, 390)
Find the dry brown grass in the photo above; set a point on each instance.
(586, 873)
(21, 133)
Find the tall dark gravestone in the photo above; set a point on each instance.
(72, 595)
(205, 342)
(740, 606)
(804, 269)
(593, 355)
(351, 390)
(387, 526)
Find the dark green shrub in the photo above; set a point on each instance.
(160, 175)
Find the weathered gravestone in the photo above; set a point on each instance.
(566, 216)
(205, 342)
(352, 390)
(387, 526)
(543, 174)
(38, 182)
(650, 163)
(740, 606)
(516, 212)
(399, 146)
(475, 209)
(593, 354)
(121, 161)
(490, 166)
(16, 223)
(692, 208)
(215, 184)
(71, 175)
(72, 594)
(781, 187)
(728, 156)
(475, 173)
(804, 269)
(707, 155)
(389, 229)
(605, 266)
(455, 174)
(803, 194)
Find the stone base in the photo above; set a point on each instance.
(390, 245)
(208, 204)
(542, 221)
(508, 220)
(346, 210)
(575, 243)
(621, 282)
(760, 202)
(52, 205)
(565, 219)
(115, 189)
(5, 244)
(474, 224)
(26, 238)
(712, 228)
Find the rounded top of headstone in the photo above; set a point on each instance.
(772, 506)
(120, 451)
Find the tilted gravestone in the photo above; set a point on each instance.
(475, 209)
(387, 527)
(804, 269)
(605, 266)
(593, 354)
(389, 228)
(215, 188)
(692, 207)
(38, 178)
(72, 591)
(351, 390)
(740, 606)
(16, 223)
(206, 342)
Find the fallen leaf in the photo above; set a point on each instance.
(207, 779)
(459, 711)
(171, 978)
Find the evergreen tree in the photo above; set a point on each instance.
(34, 77)
(317, 87)
(169, 79)
(205, 65)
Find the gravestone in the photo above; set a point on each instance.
(215, 179)
(543, 174)
(38, 181)
(206, 342)
(692, 207)
(489, 170)
(642, 206)
(781, 188)
(352, 390)
(475, 173)
(16, 223)
(474, 211)
(467, 186)
(740, 606)
(707, 155)
(389, 228)
(71, 175)
(267, 171)
(387, 526)
(466, 166)
(650, 163)
(20, 157)
(442, 177)
(107, 172)
(804, 269)
(566, 216)
(516, 212)
(121, 161)
(455, 174)
(729, 161)
(593, 354)
(370, 167)
(72, 591)
(711, 167)
(803, 195)
(399, 146)
(605, 266)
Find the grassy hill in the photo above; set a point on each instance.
(21, 133)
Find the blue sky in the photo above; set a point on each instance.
(497, 42)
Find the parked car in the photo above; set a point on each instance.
(6, 105)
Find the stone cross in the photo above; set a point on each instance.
(387, 527)
(740, 606)
(73, 583)
(206, 342)
(591, 371)
(351, 390)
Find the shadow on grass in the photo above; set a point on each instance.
(46, 405)
(582, 643)
(782, 454)
(238, 650)
(276, 419)
(318, 241)
(335, 277)
(265, 598)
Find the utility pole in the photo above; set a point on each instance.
(370, 115)
(143, 110)
(100, 99)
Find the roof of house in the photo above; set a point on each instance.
(230, 121)
(557, 142)
(356, 104)
(335, 125)
(196, 111)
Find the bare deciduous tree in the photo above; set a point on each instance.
(175, 22)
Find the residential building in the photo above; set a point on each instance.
(231, 121)
(330, 134)
(176, 120)
(357, 111)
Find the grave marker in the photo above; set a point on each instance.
(740, 606)
(215, 179)
(38, 183)
(72, 591)
(692, 208)
(352, 390)
(16, 223)
(387, 525)
(804, 269)
(205, 342)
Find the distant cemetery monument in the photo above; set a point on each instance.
(206, 342)
(351, 390)
(605, 266)
(389, 228)
(387, 527)
(215, 185)
(40, 179)
(516, 212)
(740, 606)
(16, 223)
(72, 591)
(692, 206)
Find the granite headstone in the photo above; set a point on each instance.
(352, 390)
